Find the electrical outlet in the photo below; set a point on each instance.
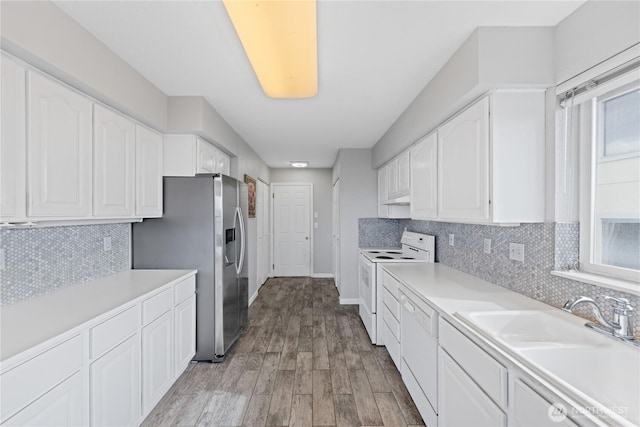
(487, 246)
(516, 251)
(2, 262)
(106, 243)
(315, 225)
(451, 240)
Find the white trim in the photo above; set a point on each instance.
(253, 297)
(311, 229)
(615, 61)
(595, 279)
(350, 301)
(322, 275)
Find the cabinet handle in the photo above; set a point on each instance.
(409, 307)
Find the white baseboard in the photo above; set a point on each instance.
(253, 297)
(322, 276)
(349, 301)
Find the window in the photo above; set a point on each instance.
(609, 140)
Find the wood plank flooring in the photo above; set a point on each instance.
(305, 360)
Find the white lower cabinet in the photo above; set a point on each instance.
(461, 402)
(185, 333)
(61, 406)
(157, 360)
(530, 408)
(115, 386)
(109, 371)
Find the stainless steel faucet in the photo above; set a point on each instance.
(622, 324)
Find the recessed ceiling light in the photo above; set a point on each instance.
(299, 164)
(280, 39)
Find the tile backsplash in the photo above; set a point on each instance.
(41, 260)
(548, 246)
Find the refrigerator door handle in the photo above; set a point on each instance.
(242, 240)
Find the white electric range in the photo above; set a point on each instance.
(416, 247)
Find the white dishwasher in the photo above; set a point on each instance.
(419, 349)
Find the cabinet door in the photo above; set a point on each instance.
(460, 401)
(206, 157)
(383, 191)
(424, 178)
(115, 386)
(463, 165)
(392, 176)
(530, 409)
(148, 173)
(60, 406)
(59, 150)
(185, 333)
(157, 360)
(404, 174)
(113, 164)
(224, 163)
(12, 142)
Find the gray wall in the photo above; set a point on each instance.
(593, 33)
(322, 202)
(44, 36)
(490, 58)
(358, 199)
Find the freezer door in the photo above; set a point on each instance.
(228, 312)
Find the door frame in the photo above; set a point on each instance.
(272, 232)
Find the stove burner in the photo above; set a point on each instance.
(408, 257)
(374, 252)
(394, 252)
(384, 257)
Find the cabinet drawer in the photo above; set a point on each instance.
(479, 365)
(391, 303)
(392, 323)
(155, 306)
(390, 284)
(184, 289)
(113, 331)
(27, 382)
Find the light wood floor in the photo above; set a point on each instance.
(305, 360)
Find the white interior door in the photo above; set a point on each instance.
(260, 195)
(291, 229)
(265, 263)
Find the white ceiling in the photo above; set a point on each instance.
(374, 58)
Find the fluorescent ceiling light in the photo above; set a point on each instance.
(280, 39)
(299, 164)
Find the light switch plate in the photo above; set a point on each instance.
(451, 240)
(487, 246)
(107, 243)
(516, 251)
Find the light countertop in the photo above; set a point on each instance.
(451, 291)
(33, 322)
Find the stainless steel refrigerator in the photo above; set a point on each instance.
(202, 228)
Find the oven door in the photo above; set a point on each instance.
(367, 293)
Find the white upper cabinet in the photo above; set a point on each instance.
(491, 160)
(149, 166)
(59, 151)
(113, 164)
(12, 142)
(463, 165)
(404, 175)
(188, 155)
(424, 176)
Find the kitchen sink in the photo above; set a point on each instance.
(558, 346)
(532, 328)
